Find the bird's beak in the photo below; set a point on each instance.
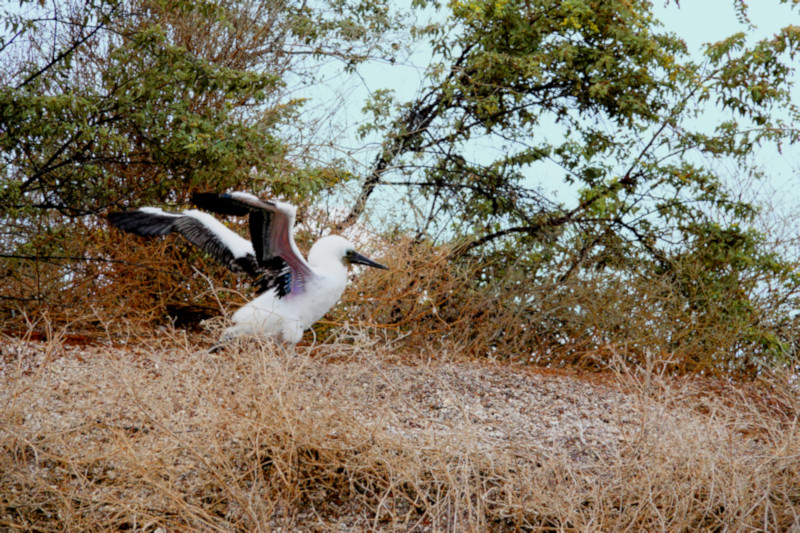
(358, 259)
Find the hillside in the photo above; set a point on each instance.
(162, 436)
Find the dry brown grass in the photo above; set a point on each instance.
(429, 301)
(400, 422)
(159, 434)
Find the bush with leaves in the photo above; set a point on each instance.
(119, 103)
(596, 99)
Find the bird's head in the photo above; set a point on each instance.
(338, 248)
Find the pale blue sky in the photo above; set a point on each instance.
(704, 21)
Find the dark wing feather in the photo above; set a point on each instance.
(260, 229)
(275, 275)
(239, 204)
(271, 227)
(221, 204)
(227, 248)
(142, 223)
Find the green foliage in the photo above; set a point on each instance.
(724, 277)
(592, 98)
(145, 118)
(118, 103)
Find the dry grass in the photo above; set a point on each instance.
(531, 316)
(159, 434)
(107, 276)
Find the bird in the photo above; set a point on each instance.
(292, 292)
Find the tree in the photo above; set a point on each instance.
(118, 103)
(592, 95)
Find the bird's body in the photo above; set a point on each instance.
(288, 317)
(293, 293)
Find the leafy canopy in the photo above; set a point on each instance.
(115, 103)
(593, 98)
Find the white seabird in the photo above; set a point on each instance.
(292, 293)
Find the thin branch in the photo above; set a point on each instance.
(103, 21)
(413, 124)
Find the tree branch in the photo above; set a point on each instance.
(103, 21)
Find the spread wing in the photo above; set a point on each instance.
(201, 229)
(271, 231)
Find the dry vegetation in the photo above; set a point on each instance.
(427, 302)
(158, 435)
(585, 321)
(430, 417)
(559, 380)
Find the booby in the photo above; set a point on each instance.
(292, 293)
